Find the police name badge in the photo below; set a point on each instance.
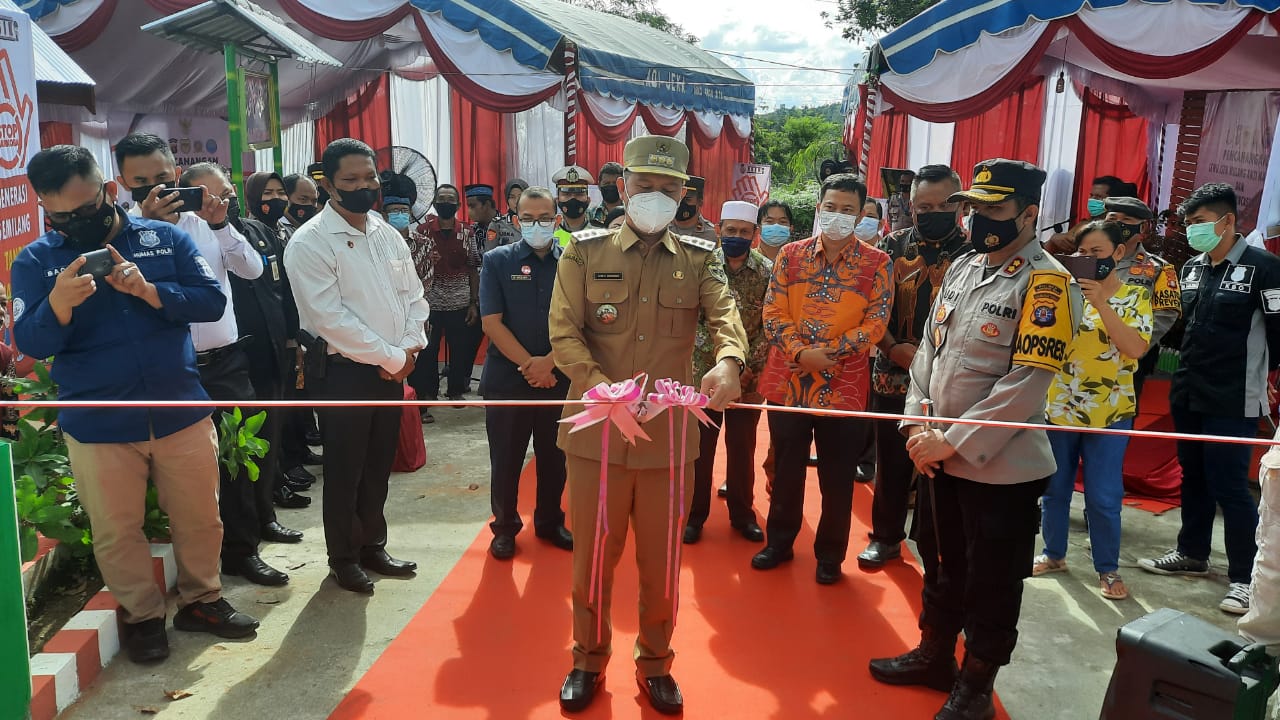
(607, 314)
(1045, 328)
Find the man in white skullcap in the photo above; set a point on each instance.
(749, 274)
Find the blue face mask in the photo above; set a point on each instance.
(775, 235)
(538, 235)
(735, 247)
(1096, 207)
(867, 228)
(398, 220)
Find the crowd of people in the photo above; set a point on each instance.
(325, 285)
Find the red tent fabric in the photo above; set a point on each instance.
(1009, 130)
(715, 161)
(888, 148)
(54, 133)
(597, 143)
(1113, 141)
(364, 116)
(479, 145)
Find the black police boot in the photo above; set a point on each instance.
(971, 697)
(931, 664)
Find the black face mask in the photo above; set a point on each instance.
(987, 235)
(300, 213)
(88, 233)
(609, 193)
(574, 209)
(1105, 266)
(446, 210)
(140, 193)
(686, 211)
(1129, 231)
(359, 201)
(270, 211)
(935, 226)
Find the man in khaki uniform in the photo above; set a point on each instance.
(626, 302)
(689, 220)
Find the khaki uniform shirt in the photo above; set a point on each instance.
(704, 229)
(990, 350)
(1150, 271)
(617, 311)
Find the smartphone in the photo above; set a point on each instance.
(97, 263)
(1081, 267)
(192, 198)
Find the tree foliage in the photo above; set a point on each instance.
(645, 12)
(860, 20)
(795, 140)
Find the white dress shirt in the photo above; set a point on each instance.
(224, 249)
(357, 290)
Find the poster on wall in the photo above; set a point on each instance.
(1236, 145)
(751, 182)
(192, 138)
(19, 137)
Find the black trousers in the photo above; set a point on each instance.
(894, 472)
(509, 430)
(740, 470)
(976, 561)
(448, 327)
(245, 505)
(839, 442)
(295, 423)
(359, 449)
(1146, 366)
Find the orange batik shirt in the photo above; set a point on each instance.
(840, 303)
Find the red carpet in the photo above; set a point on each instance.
(493, 640)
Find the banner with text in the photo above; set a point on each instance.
(751, 182)
(192, 139)
(19, 137)
(1236, 145)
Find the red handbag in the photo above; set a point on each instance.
(411, 450)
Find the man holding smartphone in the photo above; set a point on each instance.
(124, 336)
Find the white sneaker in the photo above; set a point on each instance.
(1237, 600)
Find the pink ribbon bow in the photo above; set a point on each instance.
(669, 396)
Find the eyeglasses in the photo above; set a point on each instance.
(85, 211)
(545, 224)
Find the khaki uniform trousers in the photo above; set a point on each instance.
(640, 498)
(111, 479)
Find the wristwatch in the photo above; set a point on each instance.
(742, 366)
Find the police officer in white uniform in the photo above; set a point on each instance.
(997, 335)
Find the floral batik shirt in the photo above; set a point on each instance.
(1095, 386)
(748, 284)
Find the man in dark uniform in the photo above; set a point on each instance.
(689, 220)
(515, 298)
(921, 255)
(609, 194)
(996, 337)
(627, 302)
(491, 229)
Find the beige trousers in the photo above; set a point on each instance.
(642, 499)
(111, 479)
(1262, 622)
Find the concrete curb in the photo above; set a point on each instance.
(73, 658)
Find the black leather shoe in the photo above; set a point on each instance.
(971, 696)
(351, 577)
(502, 547)
(560, 537)
(751, 531)
(275, 532)
(312, 458)
(217, 617)
(294, 485)
(723, 491)
(813, 461)
(146, 641)
(692, 534)
(932, 663)
(427, 417)
(579, 689)
(253, 569)
(828, 572)
(771, 557)
(380, 562)
(313, 439)
(288, 499)
(663, 693)
(878, 553)
(866, 473)
(300, 475)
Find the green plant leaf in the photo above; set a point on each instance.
(254, 424)
(28, 542)
(251, 468)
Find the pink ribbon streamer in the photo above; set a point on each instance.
(670, 395)
(614, 404)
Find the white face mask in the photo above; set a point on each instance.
(651, 212)
(867, 228)
(836, 226)
(538, 235)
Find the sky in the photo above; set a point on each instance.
(787, 31)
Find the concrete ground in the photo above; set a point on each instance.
(317, 640)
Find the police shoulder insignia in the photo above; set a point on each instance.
(697, 242)
(1014, 266)
(1166, 295)
(595, 234)
(1045, 328)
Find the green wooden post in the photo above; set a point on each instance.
(15, 665)
(277, 153)
(231, 56)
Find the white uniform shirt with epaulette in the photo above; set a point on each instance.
(619, 311)
(1150, 271)
(993, 343)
